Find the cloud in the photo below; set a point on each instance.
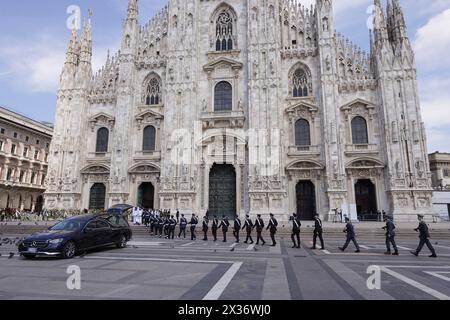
(33, 63)
(432, 43)
(431, 46)
(37, 64)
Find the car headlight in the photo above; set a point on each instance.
(56, 241)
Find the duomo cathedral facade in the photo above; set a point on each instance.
(243, 106)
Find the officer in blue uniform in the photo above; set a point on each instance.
(296, 224)
(224, 224)
(237, 228)
(193, 223)
(183, 224)
(351, 236)
(214, 227)
(205, 228)
(248, 226)
(424, 236)
(259, 225)
(272, 227)
(390, 235)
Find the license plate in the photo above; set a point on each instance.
(32, 250)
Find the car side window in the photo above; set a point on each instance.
(102, 224)
(92, 225)
(117, 221)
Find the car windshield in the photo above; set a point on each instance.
(68, 225)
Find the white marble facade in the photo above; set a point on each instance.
(304, 119)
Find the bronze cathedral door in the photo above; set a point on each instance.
(222, 191)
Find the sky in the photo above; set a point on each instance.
(35, 36)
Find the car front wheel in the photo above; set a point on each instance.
(69, 250)
(123, 242)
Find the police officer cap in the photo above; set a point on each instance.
(247, 215)
(271, 214)
(420, 215)
(259, 215)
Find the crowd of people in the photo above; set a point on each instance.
(161, 223)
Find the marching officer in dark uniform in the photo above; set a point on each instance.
(224, 224)
(259, 225)
(166, 227)
(248, 226)
(237, 228)
(193, 223)
(178, 215)
(214, 227)
(318, 232)
(160, 226)
(183, 224)
(424, 237)
(351, 236)
(205, 228)
(152, 223)
(296, 224)
(390, 235)
(272, 226)
(172, 226)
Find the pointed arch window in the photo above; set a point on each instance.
(224, 31)
(153, 94)
(300, 84)
(149, 143)
(302, 133)
(102, 140)
(223, 97)
(359, 131)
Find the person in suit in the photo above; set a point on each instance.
(214, 227)
(205, 228)
(237, 228)
(351, 236)
(296, 224)
(424, 236)
(193, 223)
(390, 236)
(248, 226)
(183, 224)
(259, 225)
(224, 224)
(272, 227)
(318, 232)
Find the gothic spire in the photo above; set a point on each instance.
(86, 41)
(133, 10)
(396, 22)
(72, 52)
(379, 25)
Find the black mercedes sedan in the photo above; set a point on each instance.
(77, 234)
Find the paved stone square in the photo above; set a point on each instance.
(153, 269)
